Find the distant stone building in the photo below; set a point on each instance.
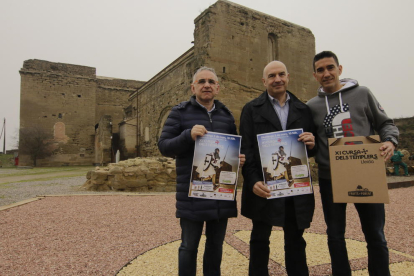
(68, 101)
(90, 117)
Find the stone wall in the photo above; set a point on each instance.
(238, 43)
(67, 101)
(112, 97)
(234, 40)
(154, 100)
(128, 139)
(406, 139)
(134, 175)
(60, 98)
(103, 141)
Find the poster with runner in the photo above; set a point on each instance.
(215, 166)
(284, 163)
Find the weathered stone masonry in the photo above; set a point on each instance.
(67, 101)
(238, 42)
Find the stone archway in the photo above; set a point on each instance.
(161, 120)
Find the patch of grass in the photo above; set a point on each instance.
(7, 160)
(46, 170)
(4, 185)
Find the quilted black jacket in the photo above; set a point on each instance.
(176, 142)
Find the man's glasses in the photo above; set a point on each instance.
(204, 81)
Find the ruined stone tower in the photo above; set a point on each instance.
(238, 43)
(79, 109)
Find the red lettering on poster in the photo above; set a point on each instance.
(223, 190)
(303, 184)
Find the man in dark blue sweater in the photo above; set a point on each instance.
(187, 120)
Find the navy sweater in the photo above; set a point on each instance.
(176, 142)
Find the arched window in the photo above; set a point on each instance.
(272, 48)
(161, 120)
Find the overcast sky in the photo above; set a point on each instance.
(135, 39)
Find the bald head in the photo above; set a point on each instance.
(272, 64)
(276, 79)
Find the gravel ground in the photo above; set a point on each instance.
(101, 235)
(18, 191)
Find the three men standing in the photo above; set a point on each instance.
(342, 108)
(275, 109)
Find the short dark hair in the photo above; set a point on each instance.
(324, 54)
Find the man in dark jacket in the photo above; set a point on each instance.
(275, 110)
(185, 122)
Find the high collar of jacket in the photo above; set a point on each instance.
(351, 83)
(263, 98)
(192, 101)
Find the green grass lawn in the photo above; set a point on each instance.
(12, 171)
(7, 160)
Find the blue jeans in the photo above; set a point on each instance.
(190, 237)
(295, 254)
(372, 218)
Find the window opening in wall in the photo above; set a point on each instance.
(79, 96)
(146, 137)
(272, 47)
(60, 116)
(224, 69)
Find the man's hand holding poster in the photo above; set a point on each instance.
(285, 163)
(215, 166)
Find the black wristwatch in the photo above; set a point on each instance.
(393, 141)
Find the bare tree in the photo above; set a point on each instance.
(35, 142)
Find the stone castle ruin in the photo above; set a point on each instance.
(89, 118)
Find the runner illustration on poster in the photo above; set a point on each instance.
(215, 166)
(285, 163)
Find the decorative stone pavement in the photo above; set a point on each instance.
(138, 235)
(163, 259)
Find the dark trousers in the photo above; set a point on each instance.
(372, 217)
(190, 237)
(295, 254)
